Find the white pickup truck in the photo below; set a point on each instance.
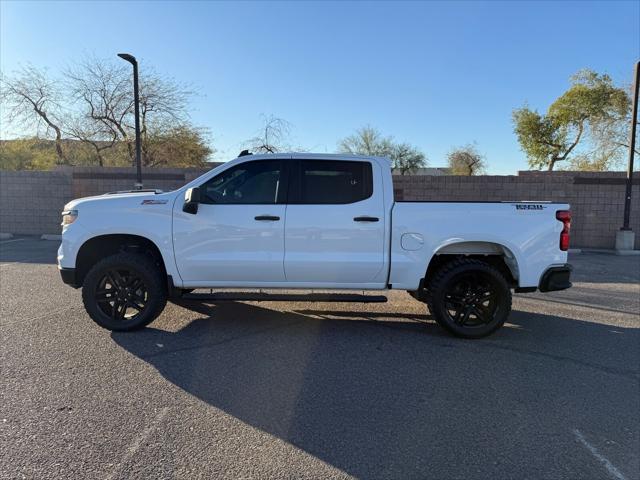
(309, 221)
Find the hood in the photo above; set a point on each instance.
(125, 199)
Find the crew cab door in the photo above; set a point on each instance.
(335, 229)
(237, 235)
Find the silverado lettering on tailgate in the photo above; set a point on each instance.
(529, 206)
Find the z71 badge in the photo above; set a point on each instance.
(154, 202)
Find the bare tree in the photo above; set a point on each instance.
(405, 158)
(99, 113)
(100, 137)
(272, 137)
(103, 93)
(163, 112)
(32, 99)
(466, 160)
(367, 141)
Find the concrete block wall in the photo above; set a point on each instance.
(87, 181)
(31, 201)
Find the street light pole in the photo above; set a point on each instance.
(136, 100)
(632, 149)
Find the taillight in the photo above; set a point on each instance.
(565, 217)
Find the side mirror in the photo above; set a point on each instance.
(191, 200)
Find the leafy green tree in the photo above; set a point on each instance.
(27, 154)
(466, 160)
(369, 141)
(182, 146)
(591, 102)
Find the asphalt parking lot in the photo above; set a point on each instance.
(319, 390)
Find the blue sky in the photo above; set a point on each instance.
(435, 74)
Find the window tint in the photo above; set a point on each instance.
(255, 182)
(332, 182)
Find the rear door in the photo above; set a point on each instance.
(335, 227)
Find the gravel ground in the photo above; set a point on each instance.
(319, 390)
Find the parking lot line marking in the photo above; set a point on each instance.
(607, 464)
(135, 445)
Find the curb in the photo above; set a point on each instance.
(627, 252)
(6, 236)
(47, 236)
(606, 251)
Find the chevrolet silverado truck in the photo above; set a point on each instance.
(309, 221)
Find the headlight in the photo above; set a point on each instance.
(69, 216)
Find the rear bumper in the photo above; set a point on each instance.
(69, 276)
(556, 278)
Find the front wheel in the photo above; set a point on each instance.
(469, 298)
(124, 292)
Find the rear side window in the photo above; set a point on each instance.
(334, 182)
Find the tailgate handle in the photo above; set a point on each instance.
(366, 219)
(269, 218)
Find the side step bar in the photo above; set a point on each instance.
(284, 297)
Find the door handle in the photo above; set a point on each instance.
(366, 219)
(269, 218)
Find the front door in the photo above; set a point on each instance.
(335, 228)
(237, 235)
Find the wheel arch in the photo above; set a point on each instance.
(96, 248)
(496, 254)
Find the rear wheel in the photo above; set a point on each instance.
(469, 298)
(124, 292)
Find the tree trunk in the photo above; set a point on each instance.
(100, 159)
(62, 160)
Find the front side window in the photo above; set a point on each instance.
(256, 182)
(334, 182)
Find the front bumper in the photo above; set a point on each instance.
(556, 278)
(69, 276)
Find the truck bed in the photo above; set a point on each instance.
(529, 231)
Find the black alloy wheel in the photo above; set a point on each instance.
(471, 299)
(121, 294)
